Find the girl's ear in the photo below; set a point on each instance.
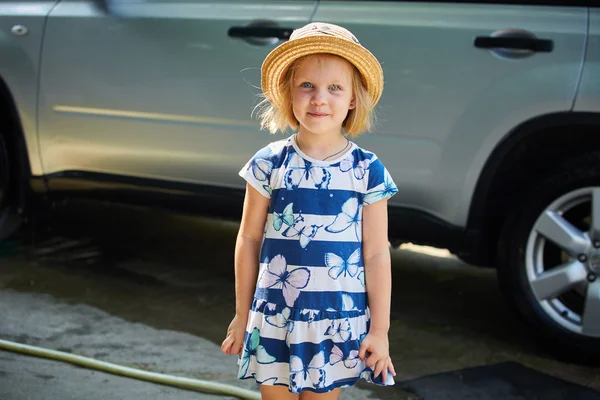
(352, 104)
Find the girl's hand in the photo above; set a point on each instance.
(235, 336)
(375, 348)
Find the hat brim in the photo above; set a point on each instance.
(276, 64)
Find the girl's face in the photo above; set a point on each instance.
(322, 94)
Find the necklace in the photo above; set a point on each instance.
(334, 154)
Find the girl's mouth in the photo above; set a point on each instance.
(317, 115)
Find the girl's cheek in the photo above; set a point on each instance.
(303, 95)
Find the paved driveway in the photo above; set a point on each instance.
(155, 290)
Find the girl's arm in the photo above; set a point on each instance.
(247, 250)
(376, 256)
(378, 278)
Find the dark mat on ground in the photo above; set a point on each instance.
(506, 381)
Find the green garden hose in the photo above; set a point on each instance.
(87, 362)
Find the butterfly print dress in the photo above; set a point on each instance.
(310, 313)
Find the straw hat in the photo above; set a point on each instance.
(315, 38)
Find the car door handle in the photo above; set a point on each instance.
(259, 32)
(515, 43)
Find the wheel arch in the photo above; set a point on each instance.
(526, 153)
(18, 158)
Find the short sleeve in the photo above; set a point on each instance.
(257, 171)
(380, 185)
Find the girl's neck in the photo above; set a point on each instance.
(321, 146)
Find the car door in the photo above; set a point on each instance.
(452, 92)
(157, 89)
(588, 95)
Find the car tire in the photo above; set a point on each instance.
(549, 285)
(10, 220)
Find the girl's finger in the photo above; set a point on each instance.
(392, 368)
(384, 371)
(224, 342)
(378, 367)
(362, 351)
(226, 345)
(237, 348)
(371, 361)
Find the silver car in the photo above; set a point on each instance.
(489, 124)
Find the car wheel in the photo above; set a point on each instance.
(549, 259)
(9, 218)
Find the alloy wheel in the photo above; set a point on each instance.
(563, 261)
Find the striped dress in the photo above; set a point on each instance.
(310, 313)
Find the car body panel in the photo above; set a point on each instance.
(160, 93)
(446, 104)
(19, 64)
(588, 98)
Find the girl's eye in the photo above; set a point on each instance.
(335, 87)
(307, 85)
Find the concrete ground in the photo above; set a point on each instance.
(155, 290)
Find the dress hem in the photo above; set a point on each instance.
(338, 384)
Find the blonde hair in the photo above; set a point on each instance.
(359, 120)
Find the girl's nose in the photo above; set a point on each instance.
(319, 97)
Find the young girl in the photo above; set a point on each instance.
(312, 263)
